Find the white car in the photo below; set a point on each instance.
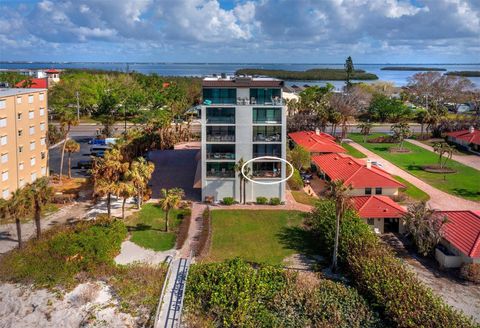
(377, 164)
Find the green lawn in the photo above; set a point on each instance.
(464, 183)
(302, 197)
(413, 192)
(257, 236)
(147, 227)
(353, 151)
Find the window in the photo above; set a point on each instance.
(267, 115)
(20, 133)
(19, 99)
(378, 191)
(266, 169)
(3, 103)
(221, 170)
(20, 149)
(4, 158)
(368, 191)
(43, 170)
(42, 126)
(22, 182)
(267, 150)
(32, 145)
(220, 96)
(32, 161)
(267, 133)
(217, 115)
(5, 193)
(220, 151)
(221, 133)
(33, 176)
(42, 111)
(42, 141)
(19, 116)
(3, 140)
(32, 130)
(3, 122)
(371, 221)
(42, 154)
(41, 97)
(265, 96)
(31, 115)
(21, 166)
(4, 175)
(30, 99)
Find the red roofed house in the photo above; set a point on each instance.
(316, 142)
(36, 84)
(365, 179)
(468, 139)
(380, 212)
(461, 243)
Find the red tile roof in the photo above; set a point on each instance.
(376, 206)
(316, 143)
(463, 231)
(52, 71)
(36, 84)
(466, 136)
(354, 172)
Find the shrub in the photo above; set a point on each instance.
(296, 182)
(203, 245)
(234, 294)
(471, 272)
(228, 201)
(275, 201)
(64, 252)
(183, 228)
(262, 200)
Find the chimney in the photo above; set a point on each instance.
(317, 131)
(471, 129)
(369, 164)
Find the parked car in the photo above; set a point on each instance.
(306, 176)
(377, 164)
(85, 164)
(94, 150)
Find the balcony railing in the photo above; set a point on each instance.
(220, 174)
(267, 174)
(229, 156)
(274, 137)
(220, 138)
(273, 154)
(220, 119)
(252, 101)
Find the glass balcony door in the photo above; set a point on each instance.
(267, 133)
(267, 150)
(220, 115)
(221, 133)
(267, 115)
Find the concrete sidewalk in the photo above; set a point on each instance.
(438, 199)
(469, 160)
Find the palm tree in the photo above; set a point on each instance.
(339, 193)
(40, 194)
(140, 173)
(17, 207)
(67, 120)
(125, 189)
(71, 146)
(365, 128)
(445, 151)
(243, 181)
(170, 199)
(401, 131)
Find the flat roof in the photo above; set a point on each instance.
(5, 92)
(241, 81)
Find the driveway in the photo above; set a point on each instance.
(438, 199)
(468, 160)
(175, 169)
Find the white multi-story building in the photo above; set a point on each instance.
(242, 118)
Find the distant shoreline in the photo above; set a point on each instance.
(464, 73)
(316, 74)
(412, 68)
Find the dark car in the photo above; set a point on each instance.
(85, 164)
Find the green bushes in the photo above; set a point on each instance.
(262, 200)
(234, 294)
(275, 201)
(228, 201)
(471, 272)
(62, 253)
(383, 279)
(295, 182)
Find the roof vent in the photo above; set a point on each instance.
(223, 75)
(471, 129)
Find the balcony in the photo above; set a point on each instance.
(220, 133)
(219, 96)
(221, 152)
(253, 101)
(267, 133)
(220, 170)
(262, 96)
(267, 115)
(270, 170)
(260, 150)
(220, 115)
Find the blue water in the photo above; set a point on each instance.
(400, 78)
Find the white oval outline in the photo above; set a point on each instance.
(270, 158)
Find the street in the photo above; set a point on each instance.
(84, 154)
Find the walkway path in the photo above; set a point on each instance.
(194, 230)
(67, 214)
(438, 199)
(469, 160)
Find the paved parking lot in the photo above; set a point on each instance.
(55, 155)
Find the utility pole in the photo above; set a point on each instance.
(78, 105)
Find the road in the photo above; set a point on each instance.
(55, 156)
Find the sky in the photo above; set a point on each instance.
(241, 31)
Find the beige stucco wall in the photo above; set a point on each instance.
(16, 176)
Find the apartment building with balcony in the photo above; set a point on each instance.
(23, 133)
(242, 118)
